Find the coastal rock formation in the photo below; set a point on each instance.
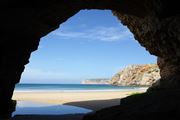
(158, 31)
(154, 23)
(96, 81)
(137, 75)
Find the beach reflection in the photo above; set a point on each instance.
(32, 108)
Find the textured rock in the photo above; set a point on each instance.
(154, 23)
(137, 75)
(159, 32)
(96, 81)
(144, 106)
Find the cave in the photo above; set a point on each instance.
(155, 25)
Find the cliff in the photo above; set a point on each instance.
(155, 24)
(137, 75)
(96, 81)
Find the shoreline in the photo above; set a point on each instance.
(77, 91)
(88, 100)
(92, 100)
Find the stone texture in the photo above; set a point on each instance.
(159, 33)
(137, 75)
(144, 106)
(154, 23)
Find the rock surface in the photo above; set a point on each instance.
(144, 106)
(158, 31)
(96, 81)
(137, 75)
(154, 23)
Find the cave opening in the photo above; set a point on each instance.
(93, 38)
(93, 44)
(154, 24)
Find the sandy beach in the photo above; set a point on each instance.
(89, 100)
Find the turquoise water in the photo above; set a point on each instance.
(71, 88)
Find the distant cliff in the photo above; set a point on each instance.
(137, 75)
(96, 81)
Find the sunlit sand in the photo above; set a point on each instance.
(84, 100)
(76, 98)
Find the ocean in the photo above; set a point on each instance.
(72, 88)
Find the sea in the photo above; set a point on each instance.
(73, 88)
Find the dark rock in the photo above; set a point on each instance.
(154, 23)
(147, 106)
(160, 36)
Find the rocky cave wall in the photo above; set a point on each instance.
(158, 31)
(155, 24)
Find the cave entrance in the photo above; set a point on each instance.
(93, 44)
(84, 45)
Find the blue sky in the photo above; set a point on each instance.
(91, 44)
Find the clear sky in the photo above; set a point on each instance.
(91, 44)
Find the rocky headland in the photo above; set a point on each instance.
(155, 24)
(132, 75)
(137, 75)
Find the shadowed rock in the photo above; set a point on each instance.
(154, 23)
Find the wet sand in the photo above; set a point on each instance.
(90, 100)
(76, 98)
